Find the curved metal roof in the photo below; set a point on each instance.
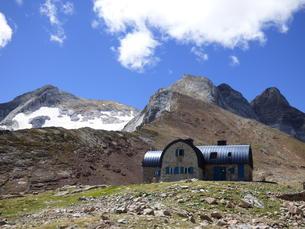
(227, 154)
(240, 154)
(152, 159)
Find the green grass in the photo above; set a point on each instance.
(230, 191)
(32, 203)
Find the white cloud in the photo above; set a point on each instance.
(95, 24)
(230, 24)
(19, 2)
(54, 10)
(136, 50)
(6, 31)
(234, 61)
(58, 38)
(68, 8)
(201, 56)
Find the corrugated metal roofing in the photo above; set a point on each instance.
(152, 159)
(240, 154)
(227, 154)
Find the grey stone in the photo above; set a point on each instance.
(210, 200)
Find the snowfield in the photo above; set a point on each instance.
(106, 120)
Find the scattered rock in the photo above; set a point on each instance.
(120, 210)
(105, 217)
(250, 201)
(244, 204)
(3, 222)
(221, 223)
(232, 222)
(192, 219)
(230, 204)
(167, 213)
(205, 217)
(148, 211)
(184, 187)
(216, 215)
(89, 210)
(210, 200)
(122, 221)
(294, 210)
(182, 214)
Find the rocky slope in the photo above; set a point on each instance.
(270, 108)
(40, 159)
(49, 106)
(199, 88)
(185, 204)
(274, 110)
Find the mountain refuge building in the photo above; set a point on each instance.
(181, 159)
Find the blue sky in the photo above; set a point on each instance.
(88, 62)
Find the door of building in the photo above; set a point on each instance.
(219, 173)
(241, 172)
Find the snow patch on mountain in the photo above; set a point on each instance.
(55, 117)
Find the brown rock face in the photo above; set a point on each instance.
(48, 158)
(273, 109)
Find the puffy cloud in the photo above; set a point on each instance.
(230, 24)
(54, 10)
(200, 55)
(6, 31)
(234, 61)
(136, 50)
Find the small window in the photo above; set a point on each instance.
(176, 170)
(232, 170)
(157, 173)
(179, 152)
(190, 170)
(185, 170)
(229, 154)
(213, 155)
(167, 170)
(182, 170)
(171, 170)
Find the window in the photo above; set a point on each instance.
(185, 170)
(229, 154)
(213, 155)
(176, 170)
(190, 170)
(171, 170)
(167, 170)
(182, 170)
(232, 170)
(157, 173)
(179, 152)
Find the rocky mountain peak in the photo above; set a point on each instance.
(235, 102)
(271, 97)
(197, 87)
(273, 109)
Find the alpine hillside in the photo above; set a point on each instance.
(49, 106)
(270, 108)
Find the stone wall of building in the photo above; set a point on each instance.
(231, 172)
(151, 174)
(187, 161)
